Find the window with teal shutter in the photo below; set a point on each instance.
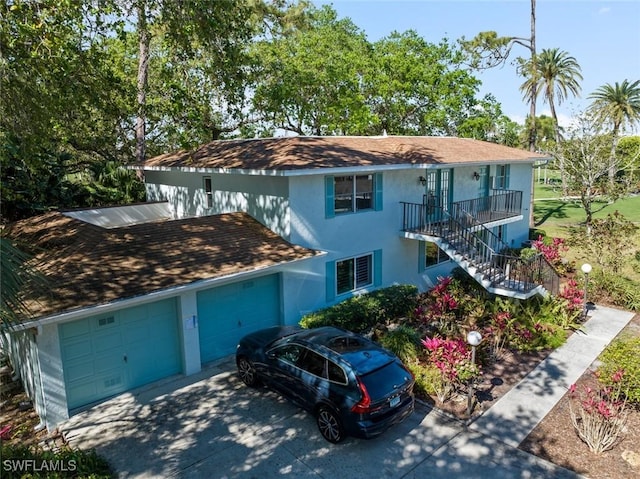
(331, 280)
(377, 188)
(351, 274)
(352, 194)
(329, 197)
(377, 267)
(502, 177)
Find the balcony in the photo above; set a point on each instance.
(460, 232)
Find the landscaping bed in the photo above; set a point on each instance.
(555, 438)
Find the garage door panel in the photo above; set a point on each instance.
(227, 313)
(107, 342)
(74, 329)
(107, 355)
(80, 371)
(79, 349)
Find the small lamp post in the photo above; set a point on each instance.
(473, 338)
(586, 269)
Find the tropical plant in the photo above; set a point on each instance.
(623, 354)
(488, 50)
(452, 358)
(556, 76)
(599, 414)
(16, 274)
(403, 341)
(617, 105)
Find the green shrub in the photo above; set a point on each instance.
(620, 291)
(528, 253)
(403, 342)
(360, 313)
(623, 354)
(535, 233)
(69, 462)
(428, 379)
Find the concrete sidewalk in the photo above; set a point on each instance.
(518, 412)
(210, 425)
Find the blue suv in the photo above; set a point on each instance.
(350, 384)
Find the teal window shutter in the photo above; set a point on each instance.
(329, 197)
(377, 267)
(422, 260)
(377, 191)
(331, 280)
(507, 168)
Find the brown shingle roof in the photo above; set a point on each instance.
(303, 152)
(87, 265)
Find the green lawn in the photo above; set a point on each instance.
(557, 218)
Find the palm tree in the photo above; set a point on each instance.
(16, 276)
(618, 105)
(556, 75)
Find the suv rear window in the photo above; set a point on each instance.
(381, 382)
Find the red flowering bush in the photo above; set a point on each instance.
(599, 415)
(452, 358)
(446, 308)
(499, 330)
(573, 295)
(552, 252)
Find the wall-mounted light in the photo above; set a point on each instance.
(422, 180)
(475, 176)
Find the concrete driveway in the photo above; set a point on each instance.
(212, 426)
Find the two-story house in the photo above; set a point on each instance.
(243, 234)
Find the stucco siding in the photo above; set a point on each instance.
(263, 197)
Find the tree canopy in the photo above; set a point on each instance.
(89, 85)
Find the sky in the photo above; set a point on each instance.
(603, 36)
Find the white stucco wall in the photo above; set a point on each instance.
(263, 197)
(53, 388)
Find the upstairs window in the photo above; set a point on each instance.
(208, 191)
(502, 177)
(353, 193)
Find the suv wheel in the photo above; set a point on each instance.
(247, 372)
(329, 425)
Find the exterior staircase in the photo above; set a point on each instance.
(460, 232)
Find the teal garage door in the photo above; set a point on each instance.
(227, 313)
(109, 354)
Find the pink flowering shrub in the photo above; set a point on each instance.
(452, 359)
(552, 252)
(599, 414)
(447, 308)
(573, 295)
(553, 249)
(505, 331)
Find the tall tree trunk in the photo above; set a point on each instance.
(612, 157)
(143, 69)
(556, 134)
(532, 106)
(534, 87)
